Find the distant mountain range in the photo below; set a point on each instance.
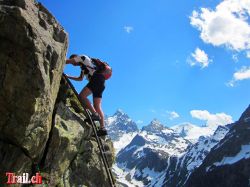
(183, 155)
(192, 132)
(228, 162)
(121, 129)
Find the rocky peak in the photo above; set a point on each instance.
(121, 121)
(120, 128)
(227, 162)
(245, 117)
(119, 113)
(194, 157)
(154, 126)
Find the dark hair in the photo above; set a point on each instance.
(95, 59)
(73, 56)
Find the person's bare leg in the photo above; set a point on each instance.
(84, 96)
(97, 105)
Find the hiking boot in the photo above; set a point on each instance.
(95, 117)
(102, 132)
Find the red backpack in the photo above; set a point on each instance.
(102, 67)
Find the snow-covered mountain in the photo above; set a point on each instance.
(193, 132)
(121, 129)
(161, 156)
(228, 163)
(120, 122)
(193, 158)
(155, 127)
(143, 162)
(178, 156)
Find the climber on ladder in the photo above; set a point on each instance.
(96, 72)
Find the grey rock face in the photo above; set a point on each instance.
(31, 63)
(42, 126)
(72, 157)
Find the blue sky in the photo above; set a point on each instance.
(177, 61)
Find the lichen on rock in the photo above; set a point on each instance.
(42, 126)
(30, 78)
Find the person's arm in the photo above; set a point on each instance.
(80, 78)
(74, 63)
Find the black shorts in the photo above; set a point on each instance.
(97, 85)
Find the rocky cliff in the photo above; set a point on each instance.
(42, 126)
(228, 163)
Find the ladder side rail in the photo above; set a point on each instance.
(99, 143)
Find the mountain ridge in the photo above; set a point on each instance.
(228, 163)
(158, 142)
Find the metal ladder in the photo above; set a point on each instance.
(99, 142)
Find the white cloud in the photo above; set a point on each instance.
(242, 74)
(230, 83)
(235, 58)
(173, 115)
(248, 54)
(128, 29)
(200, 58)
(139, 121)
(212, 120)
(226, 25)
